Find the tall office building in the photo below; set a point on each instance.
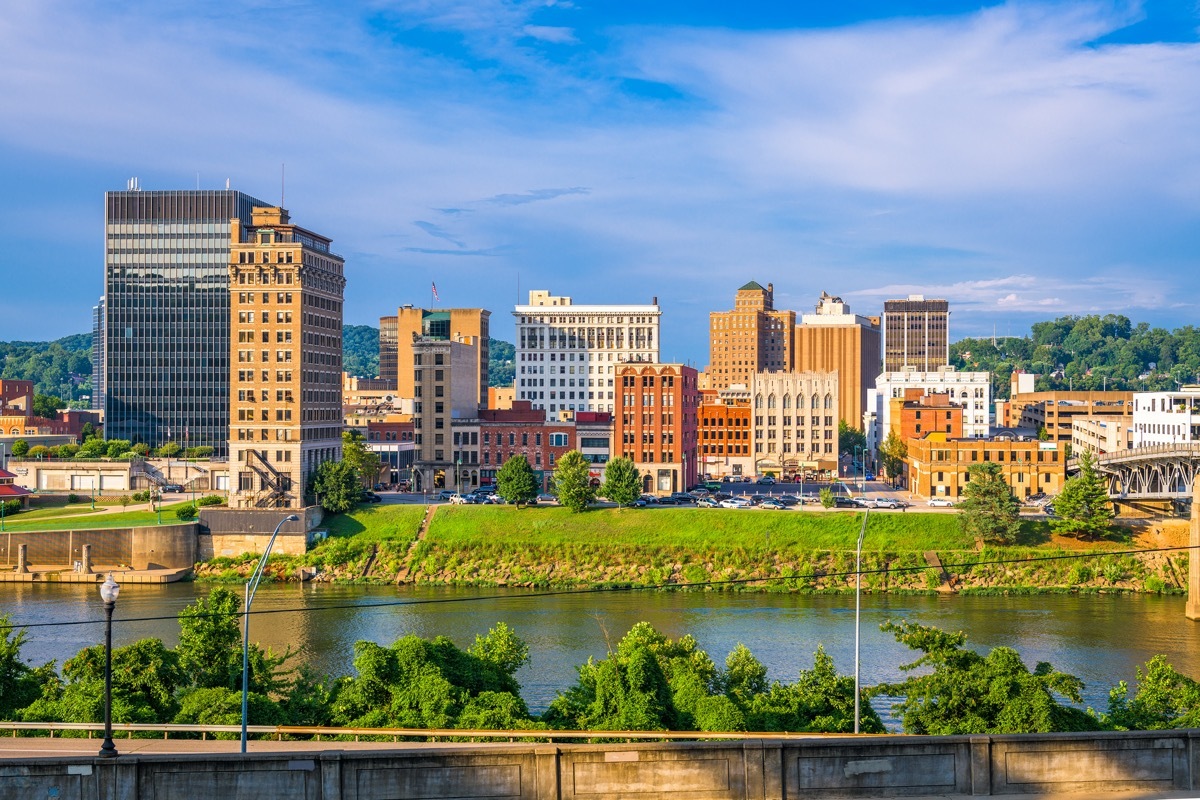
(166, 314)
(98, 356)
(398, 334)
(916, 334)
(750, 339)
(285, 403)
(834, 340)
(446, 387)
(567, 354)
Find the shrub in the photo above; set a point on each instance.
(1155, 584)
(1080, 573)
(142, 496)
(186, 513)
(72, 498)
(1113, 572)
(38, 451)
(211, 500)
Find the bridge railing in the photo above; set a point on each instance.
(316, 732)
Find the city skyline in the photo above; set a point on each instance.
(1022, 161)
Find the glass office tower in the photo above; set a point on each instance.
(166, 315)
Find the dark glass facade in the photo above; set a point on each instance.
(166, 315)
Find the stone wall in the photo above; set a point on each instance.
(1095, 765)
(231, 532)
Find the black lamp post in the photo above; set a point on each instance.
(108, 592)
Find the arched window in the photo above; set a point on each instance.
(787, 401)
(828, 401)
(771, 401)
(758, 401)
(816, 401)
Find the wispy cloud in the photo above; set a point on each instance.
(438, 232)
(551, 33)
(534, 196)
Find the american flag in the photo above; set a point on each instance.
(435, 294)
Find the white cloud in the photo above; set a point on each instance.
(551, 33)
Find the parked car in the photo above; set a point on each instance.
(446, 494)
(773, 504)
(546, 498)
(682, 497)
(172, 487)
(707, 502)
(757, 499)
(766, 480)
(870, 476)
(940, 502)
(458, 500)
(736, 502)
(889, 502)
(841, 501)
(789, 499)
(712, 486)
(369, 497)
(669, 500)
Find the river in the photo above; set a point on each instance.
(1100, 639)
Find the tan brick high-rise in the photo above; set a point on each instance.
(835, 340)
(398, 333)
(285, 405)
(750, 339)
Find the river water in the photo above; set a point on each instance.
(1100, 639)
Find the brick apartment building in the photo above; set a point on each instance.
(656, 424)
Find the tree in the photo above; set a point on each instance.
(87, 431)
(515, 481)
(820, 701)
(1165, 699)
(622, 482)
(20, 448)
(1043, 435)
(892, 455)
(850, 439)
(19, 685)
(988, 510)
(335, 485)
(572, 482)
(38, 451)
(366, 463)
(827, 498)
(963, 692)
(45, 405)
(1083, 507)
(117, 447)
(210, 640)
(92, 448)
(169, 450)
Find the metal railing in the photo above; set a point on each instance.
(278, 732)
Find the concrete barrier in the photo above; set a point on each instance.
(1150, 764)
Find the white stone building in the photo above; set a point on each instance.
(794, 419)
(567, 353)
(1166, 417)
(971, 390)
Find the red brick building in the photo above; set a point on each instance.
(656, 424)
(922, 414)
(482, 445)
(724, 437)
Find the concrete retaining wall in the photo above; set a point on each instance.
(148, 547)
(1153, 764)
(231, 532)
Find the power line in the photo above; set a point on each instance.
(964, 565)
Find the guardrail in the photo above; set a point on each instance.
(278, 732)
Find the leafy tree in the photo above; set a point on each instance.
(87, 431)
(38, 451)
(67, 450)
(117, 447)
(210, 640)
(892, 455)
(850, 439)
(515, 481)
(962, 692)
(20, 448)
(45, 405)
(365, 462)
(988, 510)
(168, 450)
(622, 482)
(1043, 435)
(820, 701)
(827, 498)
(1165, 699)
(572, 483)
(501, 648)
(92, 448)
(1083, 507)
(335, 485)
(19, 684)
(223, 706)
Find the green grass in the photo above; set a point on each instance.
(73, 521)
(693, 528)
(378, 523)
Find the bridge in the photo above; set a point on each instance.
(1154, 472)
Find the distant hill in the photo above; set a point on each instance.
(1088, 353)
(62, 368)
(360, 347)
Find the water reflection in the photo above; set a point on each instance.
(1100, 639)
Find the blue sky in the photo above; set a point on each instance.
(1023, 160)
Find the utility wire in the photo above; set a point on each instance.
(964, 565)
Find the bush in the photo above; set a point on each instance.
(142, 496)
(72, 498)
(20, 448)
(186, 513)
(1080, 573)
(38, 451)
(1155, 584)
(211, 500)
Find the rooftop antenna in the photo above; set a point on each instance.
(227, 183)
(197, 181)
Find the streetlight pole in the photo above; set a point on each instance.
(858, 611)
(108, 593)
(251, 588)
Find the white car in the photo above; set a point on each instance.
(458, 500)
(736, 502)
(940, 502)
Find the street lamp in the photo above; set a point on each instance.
(251, 588)
(108, 593)
(858, 609)
(858, 460)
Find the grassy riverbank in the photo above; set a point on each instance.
(725, 549)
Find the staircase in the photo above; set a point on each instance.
(276, 485)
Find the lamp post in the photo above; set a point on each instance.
(251, 587)
(858, 461)
(108, 593)
(858, 609)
